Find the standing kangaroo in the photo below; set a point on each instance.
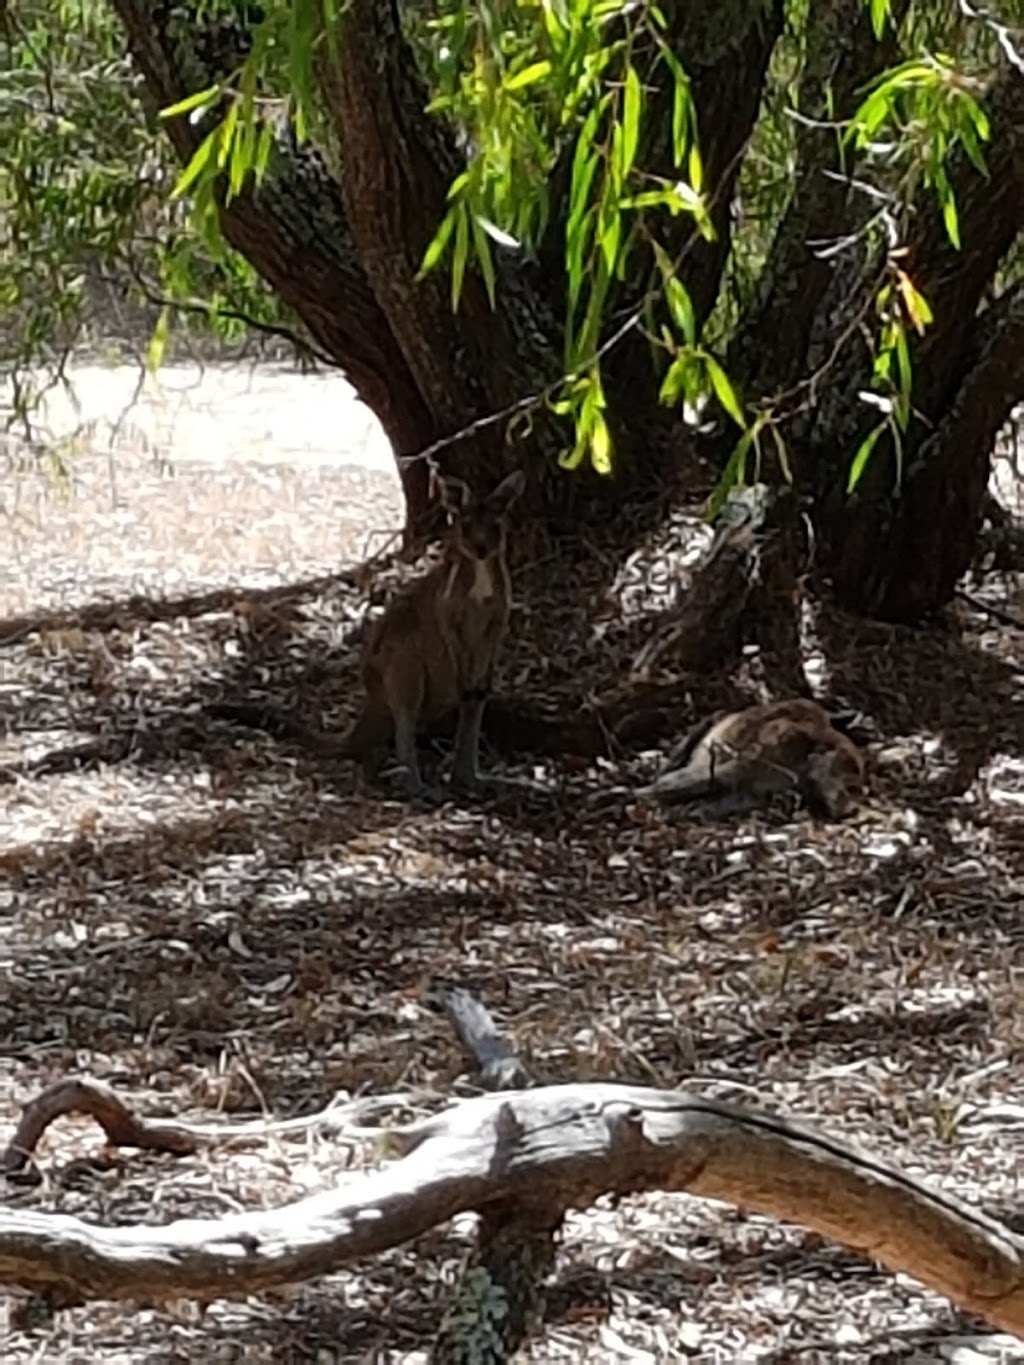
(435, 647)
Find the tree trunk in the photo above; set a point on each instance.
(896, 547)
(343, 251)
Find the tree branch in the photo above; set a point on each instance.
(842, 56)
(544, 1150)
(293, 229)
(397, 163)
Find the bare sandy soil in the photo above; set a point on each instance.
(155, 483)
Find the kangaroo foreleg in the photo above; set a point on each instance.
(406, 752)
(466, 763)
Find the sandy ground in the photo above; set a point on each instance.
(292, 463)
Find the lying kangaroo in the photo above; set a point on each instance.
(744, 756)
(435, 648)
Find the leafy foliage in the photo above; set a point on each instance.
(87, 207)
(541, 94)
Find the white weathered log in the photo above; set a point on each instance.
(557, 1147)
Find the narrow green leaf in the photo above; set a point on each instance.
(158, 341)
(600, 445)
(734, 473)
(647, 199)
(484, 259)
(227, 135)
(202, 157)
(724, 391)
(915, 304)
(969, 138)
(577, 241)
(191, 102)
(631, 108)
(672, 385)
(879, 14)
(461, 254)
(611, 234)
(863, 455)
(681, 308)
(951, 219)
(264, 145)
(682, 108)
(436, 248)
(529, 75)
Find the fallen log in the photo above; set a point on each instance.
(540, 1152)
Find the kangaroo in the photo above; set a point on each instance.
(744, 756)
(435, 647)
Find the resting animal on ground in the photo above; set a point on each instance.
(743, 757)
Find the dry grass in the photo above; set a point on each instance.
(220, 925)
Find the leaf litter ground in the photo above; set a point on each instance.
(222, 926)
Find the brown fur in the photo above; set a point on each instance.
(786, 746)
(435, 648)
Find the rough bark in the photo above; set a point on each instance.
(293, 230)
(744, 592)
(897, 551)
(842, 56)
(541, 1152)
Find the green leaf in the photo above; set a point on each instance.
(681, 308)
(529, 75)
(951, 218)
(915, 304)
(191, 102)
(682, 106)
(879, 14)
(158, 341)
(630, 120)
(611, 235)
(264, 146)
(461, 254)
(724, 391)
(227, 134)
(484, 259)
(734, 473)
(863, 455)
(969, 138)
(600, 445)
(436, 248)
(202, 159)
(673, 383)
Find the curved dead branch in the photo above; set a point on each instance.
(122, 1127)
(549, 1149)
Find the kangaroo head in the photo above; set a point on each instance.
(834, 776)
(478, 526)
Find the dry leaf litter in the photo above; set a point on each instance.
(220, 926)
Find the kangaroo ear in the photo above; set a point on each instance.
(511, 486)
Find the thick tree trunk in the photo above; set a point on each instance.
(343, 252)
(896, 547)
(842, 56)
